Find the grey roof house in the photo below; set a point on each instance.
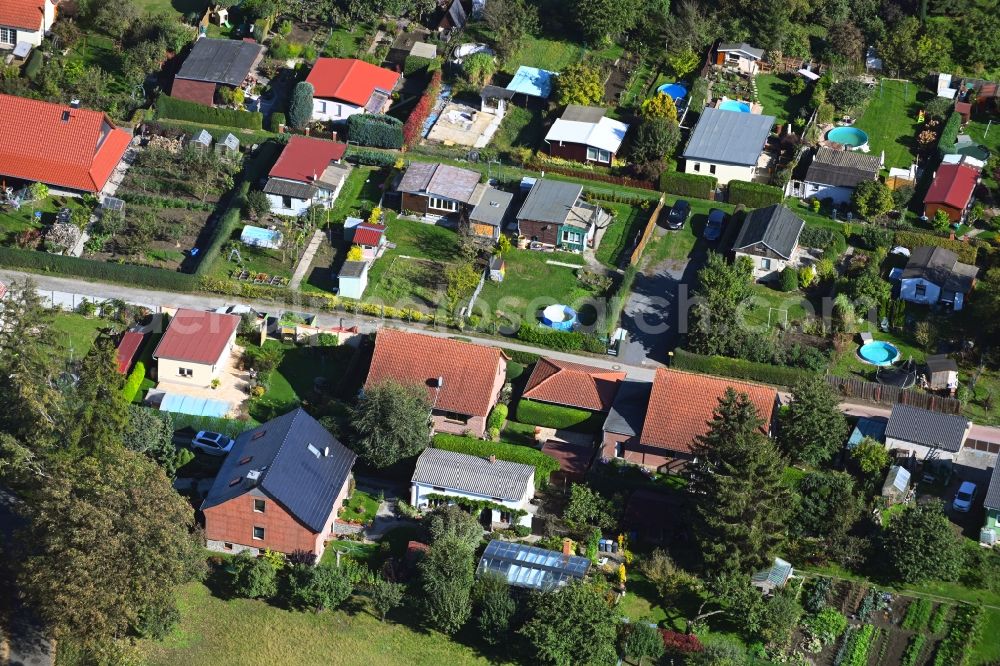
(509, 486)
(769, 238)
(920, 431)
(833, 174)
(212, 63)
(990, 533)
(490, 213)
(935, 275)
(280, 487)
(740, 56)
(438, 190)
(554, 214)
(727, 144)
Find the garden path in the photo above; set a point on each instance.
(306, 261)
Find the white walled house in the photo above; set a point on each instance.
(343, 87)
(770, 239)
(742, 57)
(833, 174)
(727, 144)
(920, 431)
(935, 275)
(25, 21)
(309, 172)
(195, 347)
(501, 482)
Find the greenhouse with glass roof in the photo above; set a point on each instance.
(531, 567)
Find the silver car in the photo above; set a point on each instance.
(964, 497)
(212, 443)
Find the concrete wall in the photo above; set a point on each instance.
(327, 110)
(724, 172)
(420, 491)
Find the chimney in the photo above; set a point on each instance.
(493, 458)
(567, 547)
(74, 103)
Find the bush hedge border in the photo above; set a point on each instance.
(738, 368)
(544, 464)
(559, 417)
(181, 109)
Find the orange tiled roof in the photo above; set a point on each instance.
(469, 371)
(23, 14)
(350, 80)
(573, 384)
(59, 145)
(681, 405)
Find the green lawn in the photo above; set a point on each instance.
(74, 334)
(890, 119)
(847, 362)
(770, 306)
(412, 239)
(544, 53)
(520, 128)
(628, 222)
(240, 631)
(775, 95)
(253, 259)
(361, 507)
(344, 43)
(181, 7)
(676, 245)
(530, 284)
(294, 379)
(13, 222)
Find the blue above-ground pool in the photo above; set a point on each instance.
(852, 137)
(734, 105)
(879, 353)
(676, 91)
(559, 317)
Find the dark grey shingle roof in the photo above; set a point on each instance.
(583, 114)
(728, 137)
(289, 454)
(742, 46)
(225, 61)
(842, 168)
(920, 426)
(941, 267)
(492, 208)
(941, 363)
(628, 412)
(352, 269)
(440, 180)
(496, 92)
(550, 201)
(289, 188)
(775, 226)
(472, 474)
(992, 499)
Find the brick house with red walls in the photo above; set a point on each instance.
(280, 488)
(213, 64)
(463, 380)
(659, 432)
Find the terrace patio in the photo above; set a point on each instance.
(463, 125)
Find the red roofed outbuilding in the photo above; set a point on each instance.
(195, 347)
(343, 87)
(463, 380)
(951, 191)
(62, 146)
(309, 172)
(128, 349)
(573, 385)
(25, 21)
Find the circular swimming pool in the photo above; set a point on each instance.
(878, 353)
(851, 137)
(734, 105)
(559, 317)
(676, 91)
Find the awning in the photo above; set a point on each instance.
(812, 76)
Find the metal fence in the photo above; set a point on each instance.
(851, 388)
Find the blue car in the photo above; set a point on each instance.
(716, 223)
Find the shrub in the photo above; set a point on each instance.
(949, 134)
(678, 644)
(828, 240)
(544, 464)
(738, 368)
(522, 357)
(376, 130)
(917, 614)
(913, 239)
(688, 184)
(415, 122)
(872, 236)
(134, 382)
(253, 578)
(557, 416)
(277, 120)
(318, 588)
(301, 105)
(497, 417)
(181, 109)
(827, 625)
(753, 195)
(560, 340)
(789, 279)
(416, 65)
(43, 262)
(370, 157)
(848, 94)
(35, 63)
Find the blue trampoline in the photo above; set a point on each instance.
(676, 91)
(186, 404)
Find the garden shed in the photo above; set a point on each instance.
(941, 372)
(353, 278)
(229, 146)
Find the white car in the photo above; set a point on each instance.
(212, 443)
(964, 497)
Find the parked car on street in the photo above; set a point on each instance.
(678, 214)
(212, 443)
(964, 497)
(716, 223)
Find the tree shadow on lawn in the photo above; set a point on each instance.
(436, 245)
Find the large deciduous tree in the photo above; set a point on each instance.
(495, 607)
(391, 421)
(723, 290)
(828, 506)
(741, 504)
(454, 522)
(510, 21)
(921, 544)
(580, 83)
(446, 577)
(813, 428)
(318, 587)
(603, 21)
(572, 625)
(872, 199)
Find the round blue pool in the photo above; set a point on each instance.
(851, 137)
(675, 90)
(559, 317)
(734, 105)
(878, 353)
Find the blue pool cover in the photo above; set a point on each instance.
(186, 404)
(532, 81)
(260, 237)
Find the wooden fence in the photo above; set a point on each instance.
(647, 233)
(851, 388)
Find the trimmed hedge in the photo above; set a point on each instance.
(228, 427)
(913, 239)
(560, 340)
(738, 368)
(134, 382)
(139, 276)
(688, 184)
(370, 157)
(522, 357)
(558, 416)
(753, 195)
(544, 464)
(277, 120)
(375, 130)
(181, 109)
(497, 417)
(415, 65)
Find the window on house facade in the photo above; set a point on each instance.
(227, 546)
(505, 516)
(8, 36)
(765, 264)
(572, 237)
(711, 168)
(696, 166)
(921, 289)
(258, 506)
(258, 532)
(286, 202)
(438, 489)
(620, 450)
(598, 155)
(442, 204)
(185, 372)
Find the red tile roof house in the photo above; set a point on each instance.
(309, 172)
(195, 347)
(343, 87)
(572, 385)
(951, 191)
(281, 488)
(25, 21)
(680, 407)
(369, 237)
(463, 380)
(212, 63)
(71, 150)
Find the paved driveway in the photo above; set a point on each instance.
(970, 466)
